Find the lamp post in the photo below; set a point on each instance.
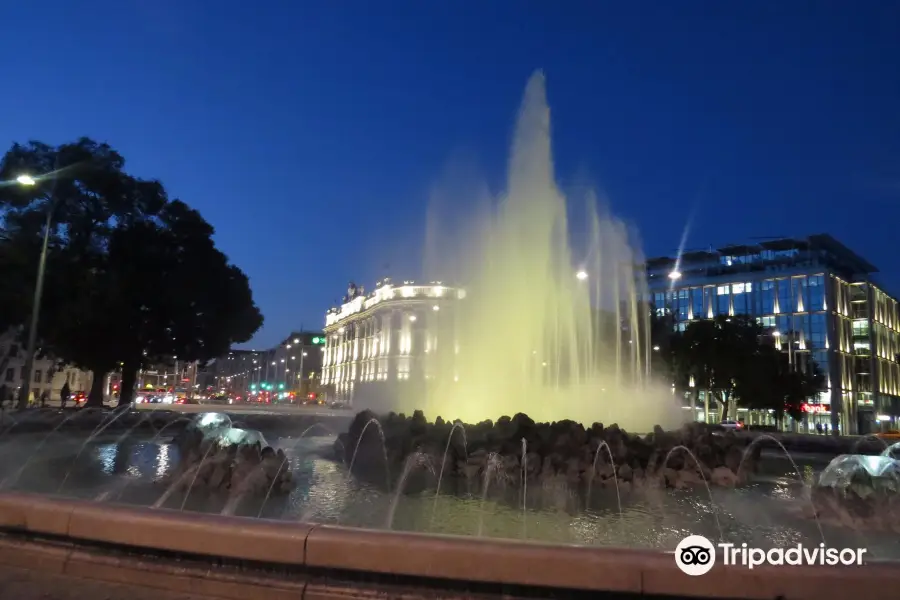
(302, 356)
(790, 345)
(25, 390)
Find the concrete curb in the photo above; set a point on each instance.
(323, 548)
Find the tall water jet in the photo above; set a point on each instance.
(530, 336)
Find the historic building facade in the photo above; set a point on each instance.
(376, 343)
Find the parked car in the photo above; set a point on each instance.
(731, 424)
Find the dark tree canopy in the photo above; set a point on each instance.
(735, 360)
(132, 277)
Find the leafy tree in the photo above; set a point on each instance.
(131, 276)
(178, 294)
(662, 334)
(735, 361)
(770, 382)
(712, 354)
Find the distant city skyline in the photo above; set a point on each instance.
(313, 136)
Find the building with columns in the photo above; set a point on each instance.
(376, 343)
(822, 305)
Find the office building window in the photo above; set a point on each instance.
(659, 301)
(784, 296)
(697, 303)
(722, 300)
(683, 304)
(799, 294)
(801, 329)
(708, 306)
(783, 325)
(37, 375)
(817, 330)
(767, 297)
(741, 298)
(10, 374)
(820, 357)
(768, 322)
(816, 293)
(672, 302)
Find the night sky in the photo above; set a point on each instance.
(310, 134)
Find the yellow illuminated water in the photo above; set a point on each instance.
(526, 338)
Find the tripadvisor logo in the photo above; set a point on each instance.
(696, 555)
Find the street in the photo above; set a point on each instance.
(251, 409)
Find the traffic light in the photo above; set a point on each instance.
(318, 340)
(280, 386)
(252, 386)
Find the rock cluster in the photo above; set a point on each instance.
(552, 450)
(232, 460)
(862, 492)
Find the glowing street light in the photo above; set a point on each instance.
(656, 348)
(581, 275)
(674, 275)
(28, 368)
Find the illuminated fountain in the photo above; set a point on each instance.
(528, 337)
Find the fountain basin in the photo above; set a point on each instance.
(326, 549)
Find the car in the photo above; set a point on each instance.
(890, 434)
(731, 424)
(79, 398)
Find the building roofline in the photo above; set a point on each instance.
(822, 241)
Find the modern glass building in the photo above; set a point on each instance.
(819, 300)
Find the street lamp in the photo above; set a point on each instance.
(25, 390)
(581, 275)
(673, 275)
(790, 346)
(302, 356)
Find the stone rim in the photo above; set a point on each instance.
(436, 557)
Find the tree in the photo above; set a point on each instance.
(131, 276)
(712, 354)
(178, 294)
(770, 382)
(662, 334)
(735, 361)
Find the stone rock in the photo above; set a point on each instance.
(723, 476)
(220, 457)
(559, 451)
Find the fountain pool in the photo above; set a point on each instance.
(766, 512)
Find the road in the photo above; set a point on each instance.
(251, 409)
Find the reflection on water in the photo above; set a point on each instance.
(760, 514)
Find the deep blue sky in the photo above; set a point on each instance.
(310, 133)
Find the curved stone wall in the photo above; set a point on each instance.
(324, 548)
